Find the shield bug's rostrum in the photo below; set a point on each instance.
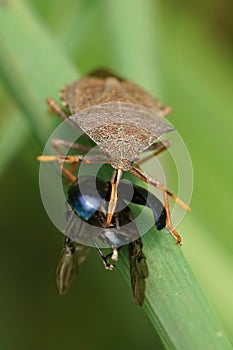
(125, 122)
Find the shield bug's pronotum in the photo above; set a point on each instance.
(124, 121)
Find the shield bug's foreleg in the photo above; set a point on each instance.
(138, 271)
(116, 177)
(157, 147)
(55, 108)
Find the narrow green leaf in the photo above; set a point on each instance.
(174, 302)
(13, 135)
(131, 26)
(31, 65)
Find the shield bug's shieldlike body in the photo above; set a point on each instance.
(124, 121)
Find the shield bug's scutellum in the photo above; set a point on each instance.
(124, 121)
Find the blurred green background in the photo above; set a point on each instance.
(182, 53)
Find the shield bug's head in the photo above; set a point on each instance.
(121, 153)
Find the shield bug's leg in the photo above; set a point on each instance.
(139, 173)
(116, 177)
(104, 258)
(158, 148)
(67, 173)
(73, 159)
(164, 111)
(169, 222)
(55, 108)
(58, 143)
(138, 271)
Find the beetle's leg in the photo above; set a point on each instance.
(157, 147)
(116, 177)
(139, 173)
(104, 258)
(169, 222)
(55, 108)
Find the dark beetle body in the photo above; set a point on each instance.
(78, 198)
(90, 206)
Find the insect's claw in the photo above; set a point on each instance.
(114, 256)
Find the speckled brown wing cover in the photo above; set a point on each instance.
(107, 107)
(92, 90)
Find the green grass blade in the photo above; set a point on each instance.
(174, 302)
(13, 135)
(131, 32)
(25, 48)
(33, 68)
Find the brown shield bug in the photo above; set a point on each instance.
(124, 121)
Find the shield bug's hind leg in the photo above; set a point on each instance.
(138, 271)
(55, 108)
